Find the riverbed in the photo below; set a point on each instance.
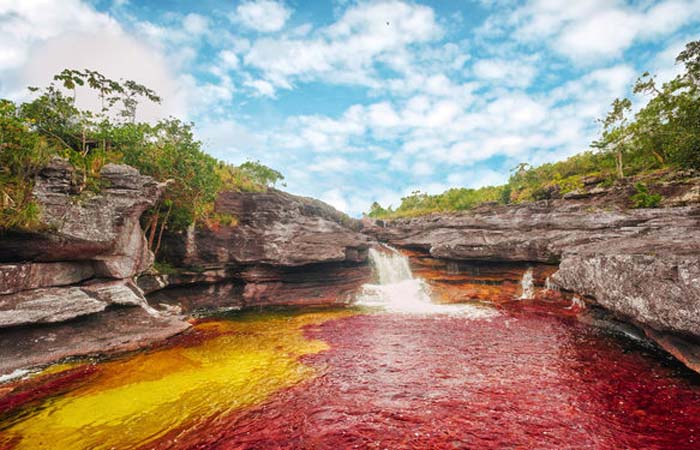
(520, 376)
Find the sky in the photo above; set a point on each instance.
(362, 101)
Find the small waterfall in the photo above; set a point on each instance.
(528, 285)
(399, 291)
(576, 302)
(548, 285)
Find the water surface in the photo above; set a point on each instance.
(338, 379)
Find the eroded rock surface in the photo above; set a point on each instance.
(642, 265)
(59, 283)
(101, 227)
(284, 250)
(274, 228)
(116, 329)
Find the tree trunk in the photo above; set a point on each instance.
(154, 227)
(618, 163)
(162, 228)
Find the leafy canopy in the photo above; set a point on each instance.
(52, 125)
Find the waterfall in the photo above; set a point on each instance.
(399, 291)
(576, 302)
(528, 285)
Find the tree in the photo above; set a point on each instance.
(376, 210)
(616, 133)
(261, 173)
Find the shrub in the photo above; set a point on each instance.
(51, 124)
(643, 199)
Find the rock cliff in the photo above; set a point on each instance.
(79, 268)
(643, 265)
(78, 285)
(282, 250)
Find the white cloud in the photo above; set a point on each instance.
(262, 15)
(588, 31)
(261, 87)
(332, 164)
(229, 60)
(347, 51)
(336, 199)
(26, 23)
(506, 72)
(195, 24)
(47, 37)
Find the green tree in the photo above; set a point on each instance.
(261, 173)
(377, 211)
(616, 132)
(22, 154)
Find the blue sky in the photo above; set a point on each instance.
(357, 101)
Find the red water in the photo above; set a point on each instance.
(522, 380)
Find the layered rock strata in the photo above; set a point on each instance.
(643, 265)
(68, 288)
(78, 284)
(282, 250)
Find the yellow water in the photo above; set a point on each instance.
(135, 400)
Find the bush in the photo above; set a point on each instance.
(51, 124)
(643, 199)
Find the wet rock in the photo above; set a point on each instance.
(454, 281)
(652, 281)
(116, 329)
(641, 265)
(684, 348)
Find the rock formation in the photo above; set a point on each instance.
(283, 250)
(642, 265)
(82, 283)
(78, 268)
(70, 287)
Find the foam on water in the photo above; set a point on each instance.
(400, 292)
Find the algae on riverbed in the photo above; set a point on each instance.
(137, 399)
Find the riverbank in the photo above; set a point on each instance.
(85, 285)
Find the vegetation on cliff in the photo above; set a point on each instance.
(663, 134)
(53, 125)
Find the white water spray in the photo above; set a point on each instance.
(399, 291)
(528, 285)
(576, 302)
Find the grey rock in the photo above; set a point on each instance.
(642, 265)
(59, 304)
(23, 276)
(274, 228)
(47, 306)
(117, 329)
(102, 227)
